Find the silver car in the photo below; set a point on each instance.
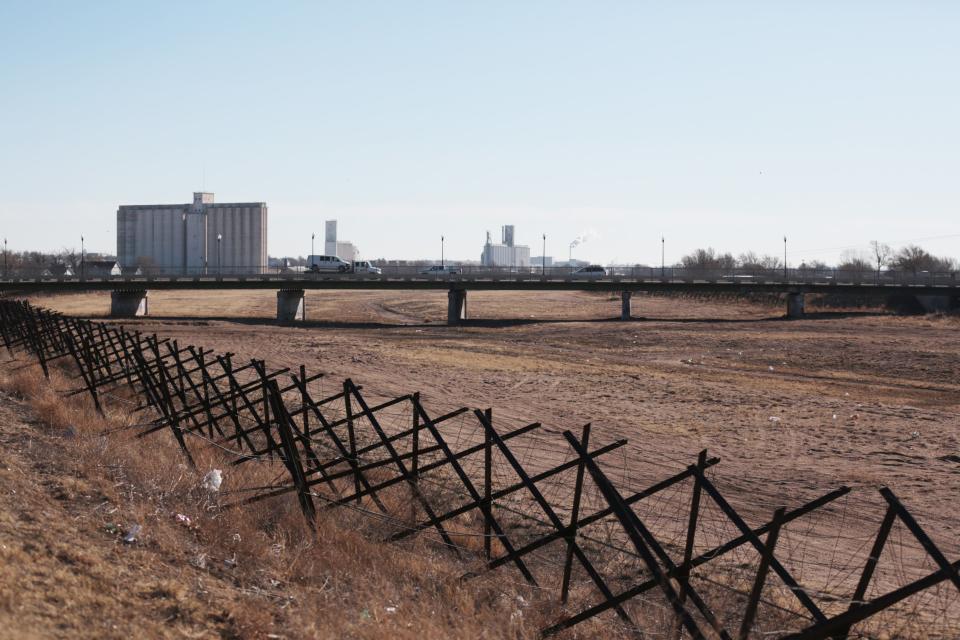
(592, 271)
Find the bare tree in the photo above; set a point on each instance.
(708, 259)
(854, 261)
(751, 260)
(68, 256)
(882, 252)
(914, 258)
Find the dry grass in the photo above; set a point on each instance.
(244, 573)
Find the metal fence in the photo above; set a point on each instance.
(671, 558)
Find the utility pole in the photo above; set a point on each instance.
(81, 257)
(219, 257)
(6, 275)
(312, 253)
(442, 263)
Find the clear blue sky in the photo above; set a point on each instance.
(723, 124)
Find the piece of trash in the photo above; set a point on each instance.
(211, 481)
(364, 614)
(834, 416)
(200, 562)
(112, 528)
(231, 562)
(770, 367)
(391, 609)
(914, 434)
(184, 519)
(132, 533)
(774, 419)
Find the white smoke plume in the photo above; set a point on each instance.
(589, 234)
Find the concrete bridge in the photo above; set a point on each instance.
(129, 294)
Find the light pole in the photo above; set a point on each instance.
(81, 257)
(219, 262)
(543, 259)
(5, 274)
(312, 236)
(784, 257)
(183, 218)
(441, 251)
(663, 249)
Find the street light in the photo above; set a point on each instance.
(441, 251)
(784, 257)
(5, 274)
(183, 218)
(219, 259)
(312, 236)
(663, 248)
(543, 258)
(81, 257)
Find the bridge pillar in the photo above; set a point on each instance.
(128, 303)
(933, 304)
(625, 304)
(456, 306)
(794, 305)
(290, 307)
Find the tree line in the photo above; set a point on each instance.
(66, 257)
(910, 258)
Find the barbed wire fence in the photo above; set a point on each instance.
(672, 559)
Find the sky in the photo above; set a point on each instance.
(729, 125)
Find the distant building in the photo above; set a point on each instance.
(58, 270)
(340, 248)
(541, 261)
(573, 263)
(196, 238)
(506, 254)
(99, 268)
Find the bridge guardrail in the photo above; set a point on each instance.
(529, 273)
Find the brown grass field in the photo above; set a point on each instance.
(793, 408)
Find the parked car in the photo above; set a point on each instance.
(591, 271)
(364, 266)
(440, 270)
(323, 264)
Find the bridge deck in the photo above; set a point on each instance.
(515, 282)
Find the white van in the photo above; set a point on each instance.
(441, 270)
(364, 266)
(322, 264)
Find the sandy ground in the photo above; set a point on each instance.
(794, 408)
